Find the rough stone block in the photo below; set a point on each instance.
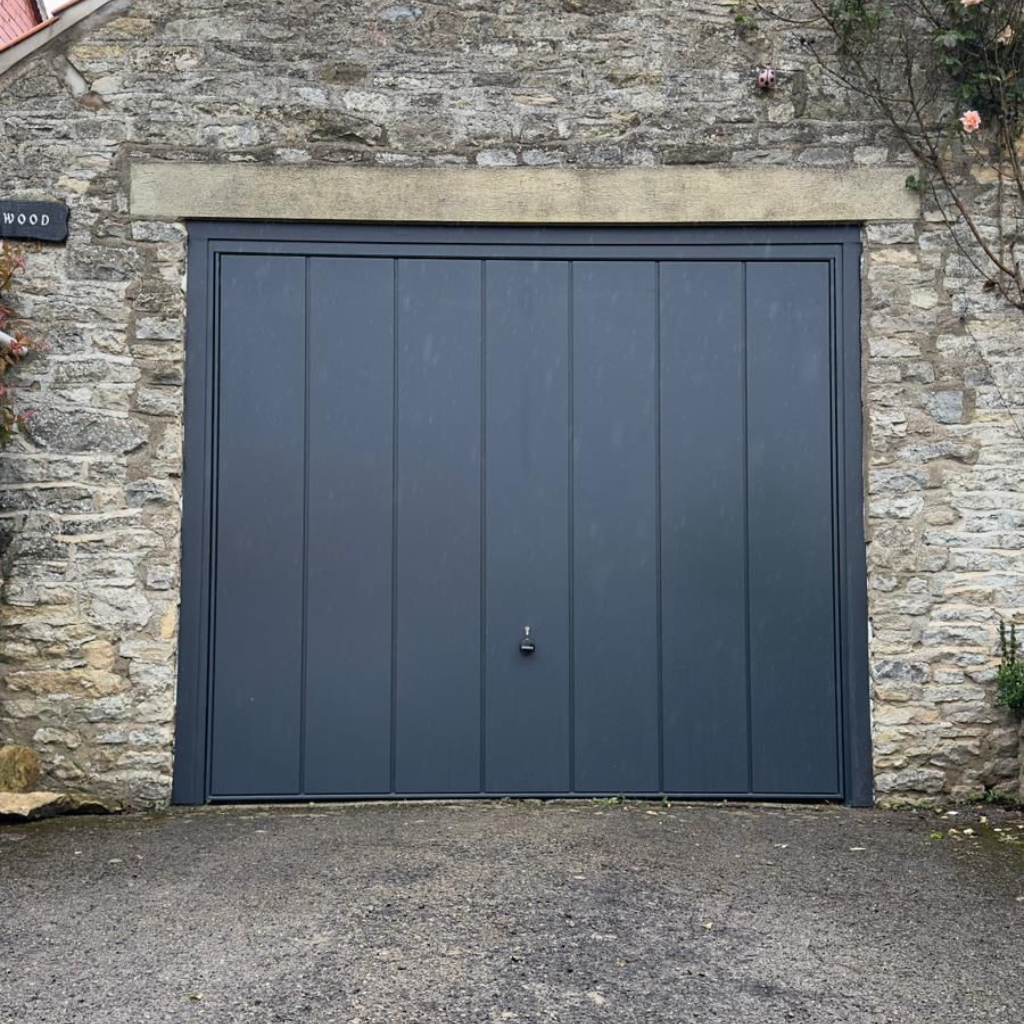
(946, 406)
(41, 804)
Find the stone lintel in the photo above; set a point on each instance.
(451, 195)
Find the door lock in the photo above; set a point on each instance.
(526, 645)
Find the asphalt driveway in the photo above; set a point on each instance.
(571, 912)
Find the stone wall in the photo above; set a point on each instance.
(90, 513)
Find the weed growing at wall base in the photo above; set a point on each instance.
(1010, 677)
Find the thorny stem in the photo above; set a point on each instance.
(907, 115)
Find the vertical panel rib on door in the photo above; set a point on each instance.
(437, 728)
(350, 486)
(792, 640)
(258, 588)
(703, 571)
(615, 516)
(527, 525)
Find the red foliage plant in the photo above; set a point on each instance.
(14, 345)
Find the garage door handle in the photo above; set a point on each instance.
(526, 645)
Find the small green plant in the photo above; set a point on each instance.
(998, 797)
(918, 183)
(1010, 677)
(744, 20)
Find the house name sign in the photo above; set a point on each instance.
(42, 222)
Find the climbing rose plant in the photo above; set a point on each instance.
(948, 77)
(14, 346)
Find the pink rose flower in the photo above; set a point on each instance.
(971, 119)
(1006, 36)
(970, 3)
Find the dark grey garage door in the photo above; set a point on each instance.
(409, 448)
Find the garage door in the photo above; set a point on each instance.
(527, 513)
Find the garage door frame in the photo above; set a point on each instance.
(208, 241)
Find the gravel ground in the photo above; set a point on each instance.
(572, 912)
